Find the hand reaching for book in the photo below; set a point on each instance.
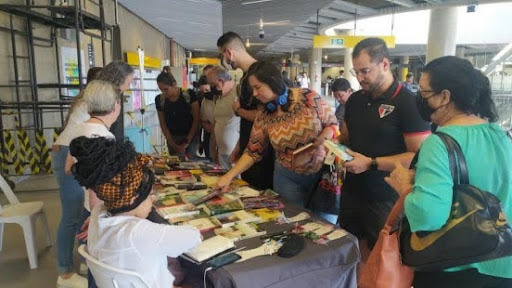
(223, 183)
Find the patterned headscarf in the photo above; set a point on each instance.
(135, 180)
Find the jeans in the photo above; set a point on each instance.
(293, 187)
(72, 202)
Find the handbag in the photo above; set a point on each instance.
(384, 268)
(477, 229)
(326, 195)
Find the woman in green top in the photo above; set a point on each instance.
(457, 97)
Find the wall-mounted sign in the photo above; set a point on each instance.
(132, 58)
(204, 61)
(90, 53)
(333, 42)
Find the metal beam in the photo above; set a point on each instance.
(405, 3)
(353, 7)
(335, 14)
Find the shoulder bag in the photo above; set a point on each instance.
(477, 229)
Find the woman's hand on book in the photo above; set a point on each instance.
(223, 183)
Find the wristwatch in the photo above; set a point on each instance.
(374, 166)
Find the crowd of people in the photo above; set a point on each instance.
(252, 129)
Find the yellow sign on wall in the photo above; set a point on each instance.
(204, 61)
(132, 58)
(330, 42)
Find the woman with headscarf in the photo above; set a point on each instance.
(119, 233)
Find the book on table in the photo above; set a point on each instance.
(262, 202)
(209, 248)
(168, 200)
(193, 195)
(203, 224)
(162, 190)
(267, 215)
(236, 217)
(215, 209)
(177, 220)
(240, 231)
(176, 211)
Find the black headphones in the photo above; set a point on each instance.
(281, 100)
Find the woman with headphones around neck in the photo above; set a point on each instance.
(291, 119)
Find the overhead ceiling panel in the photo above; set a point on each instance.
(194, 24)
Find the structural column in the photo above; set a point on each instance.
(442, 32)
(315, 70)
(347, 62)
(404, 68)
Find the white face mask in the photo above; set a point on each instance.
(227, 65)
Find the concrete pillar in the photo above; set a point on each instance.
(442, 32)
(348, 65)
(315, 70)
(295, 66)
(404, 68)
(347, 62)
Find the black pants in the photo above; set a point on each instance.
(464, 279)
(362, 217)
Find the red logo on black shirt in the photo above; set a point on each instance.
(385, 110)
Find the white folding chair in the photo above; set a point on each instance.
(107, 276)
(25, 215)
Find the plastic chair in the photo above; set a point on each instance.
(25, 215)
(107, 276)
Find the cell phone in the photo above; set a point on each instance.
(223, 260)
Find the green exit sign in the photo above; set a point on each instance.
(337, 41)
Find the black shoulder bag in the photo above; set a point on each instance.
(477, 229)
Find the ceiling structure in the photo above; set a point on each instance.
(288, 25)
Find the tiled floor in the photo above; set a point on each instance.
(14, 268)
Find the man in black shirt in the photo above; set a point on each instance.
(232, 49)
(383, 126)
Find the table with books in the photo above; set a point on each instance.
(254, 224)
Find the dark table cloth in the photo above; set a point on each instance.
(330, 265)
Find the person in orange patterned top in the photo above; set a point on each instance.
(292, 118)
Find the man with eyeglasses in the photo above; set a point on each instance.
(382, 126)
(234, 55)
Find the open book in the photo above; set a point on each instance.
(209, 248)
(303, 155)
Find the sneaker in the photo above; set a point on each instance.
(74, 281)
(83, 269)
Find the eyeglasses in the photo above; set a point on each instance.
(426, 91)
(364, 71)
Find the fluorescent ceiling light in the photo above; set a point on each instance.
(199, 49)
(255, 2)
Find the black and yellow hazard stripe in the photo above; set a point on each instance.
(43, 151)
(13, 155)
(56, 133)
(5, 154)
(25, 146)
